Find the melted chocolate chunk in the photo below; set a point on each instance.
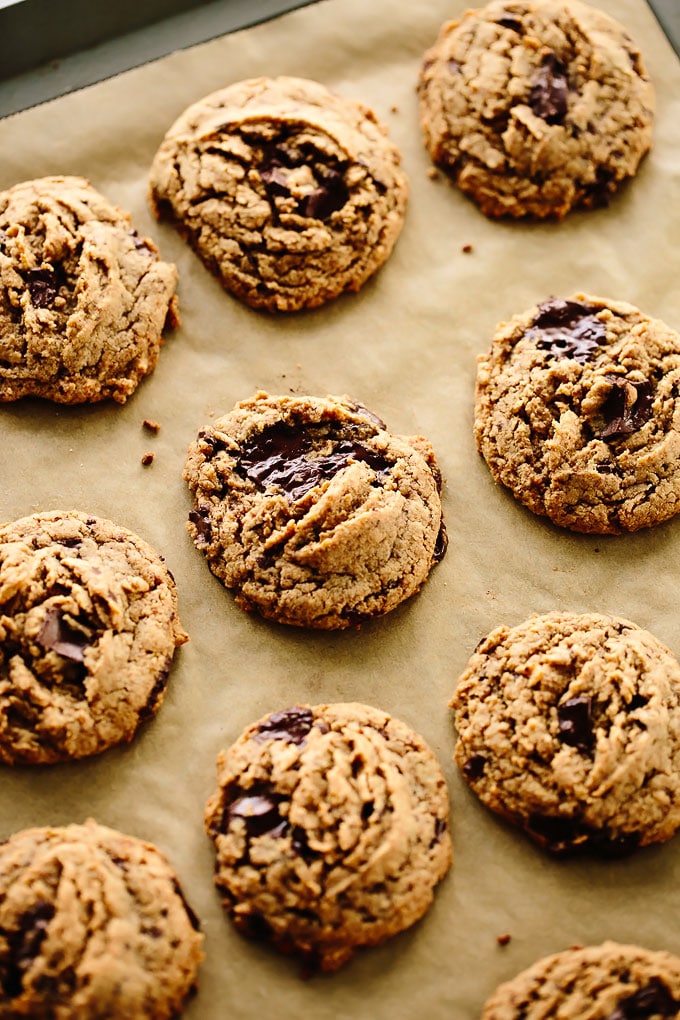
(512, 23)
(568, 329)
(44, 284)
(24, 946)
(569, 836)
(200, 518)
(61, 637)
(576, 723)
(549, 91)
(474, 767)
(369, 415)
(602, 188)
(653, 1000)
(259, 808)
(283, 456)
(453, 66)
(330, 196)
(627, 407)
(275, 180)
(301, 846)
(292, 725)
(440, 828)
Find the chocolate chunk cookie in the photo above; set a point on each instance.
(534, 107)
(312, 511)
(88, 630)
(288, 192)
(578, 414)
(607, 982)
(331, 830)
(569, 726)
(93, 925)
(83, 298)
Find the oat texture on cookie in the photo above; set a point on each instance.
(88, 631)
(577, 412)
(93, 925)
(312, 511)
(288, 192)
(330, 826)
(534, 107)
(568, 725)
(84, 299)
(612, 981)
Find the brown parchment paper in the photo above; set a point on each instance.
(406, 347)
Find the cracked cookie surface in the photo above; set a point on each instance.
(88, 630)
(612, 981)
(568, 725)
(288, 192)
(83, 298)
(313, 511)
(330, 826)
(577, 412)
(534, 107)
(93, 925)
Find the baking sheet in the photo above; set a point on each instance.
(405, 347)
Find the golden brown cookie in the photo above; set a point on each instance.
(534, 107)
(330, 826)
(93, 925)
(288, 192)
(569, 726)
(88, 631)
(577, 412)
(606, 982)
(83, 298)
(313, 511)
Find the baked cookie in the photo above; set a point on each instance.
(93, 925)
(88, 630)
(288, 192)
(83, 298)
(534, 107)
(330, 826)
(607, 982)
(569, 726)
(312, 511)
(577, 412)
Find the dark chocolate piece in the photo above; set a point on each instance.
(43, 285)
(292, 725)
(330, 196)
(24, 946)
(627, 407)
(512, 23)
(549, 91)
(259, 809)
(653, 1000)
(568, 329)
(474, 767)
(200, 518)
(284, 456)
(60, 636)
(576, 723)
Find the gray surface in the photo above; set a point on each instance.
(48, 48)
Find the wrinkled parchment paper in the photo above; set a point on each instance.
(405, 347)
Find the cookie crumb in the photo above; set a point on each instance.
(433, 173)
(503, 940)
(147, 459)
(394, 109)
(150, 425)
(467, 249)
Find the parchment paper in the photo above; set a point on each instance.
(405, 347)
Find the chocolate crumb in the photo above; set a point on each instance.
(503, 940)
(467, 249)
(147, 459)
(394, 109)
(150, 425)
